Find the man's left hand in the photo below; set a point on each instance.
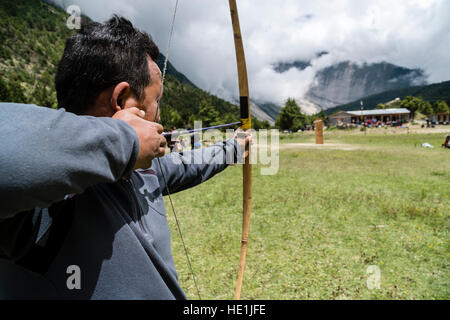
(245, 139)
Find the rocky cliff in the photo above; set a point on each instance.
(347, 81)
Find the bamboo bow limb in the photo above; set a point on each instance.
(246, 124)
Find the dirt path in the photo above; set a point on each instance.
(333, 146)
(390, 130)
(325, 146)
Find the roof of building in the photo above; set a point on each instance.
(340, 114)
(378, 112)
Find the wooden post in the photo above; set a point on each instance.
(318, 124)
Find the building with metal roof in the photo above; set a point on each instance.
(377, 116)
(379, 112)
(441, 118)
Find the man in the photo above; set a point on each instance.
(172, 140)
(110, 240)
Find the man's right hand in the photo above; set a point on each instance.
(152, 143)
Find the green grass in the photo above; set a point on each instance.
(323, 220)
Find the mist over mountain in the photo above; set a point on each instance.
(298, 64)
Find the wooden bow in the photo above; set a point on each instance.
(244, 102)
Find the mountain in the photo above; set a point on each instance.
(265, 111)
(431, 93)
(348, 81)
(172, 71)
(33, 35)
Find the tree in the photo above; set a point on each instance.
(290, 117)
(208, 114)
(321, 115)
(380, 106)
(440, 107)
(426, 108)
(4, 91)
(170, 117)
(412, 104)
(16, 93)
(258, 124)
(41, 96)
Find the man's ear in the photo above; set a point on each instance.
(121, 92)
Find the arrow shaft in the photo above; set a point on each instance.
(202, 129)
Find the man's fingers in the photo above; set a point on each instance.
(158, 127)
(161, 152)
(163, 142)
(162, 147)
(136, 111)
(125, 114)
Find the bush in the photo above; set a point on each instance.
(5, 53)
(4, 91)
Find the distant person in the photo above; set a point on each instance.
(197, 145)
(195, 141)
(446, 143)
(172, 138)
(192, 138)
(168, 137)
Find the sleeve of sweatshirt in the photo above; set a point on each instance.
(46, 154)
(183, 170)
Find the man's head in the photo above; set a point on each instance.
(107, 67)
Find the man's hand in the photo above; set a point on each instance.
(152, 143)
(245, 139)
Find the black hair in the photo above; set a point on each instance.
(100, 56)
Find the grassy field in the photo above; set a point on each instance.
(328, 215)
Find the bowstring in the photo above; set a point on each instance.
(159, 162)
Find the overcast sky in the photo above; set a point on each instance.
(409, 33)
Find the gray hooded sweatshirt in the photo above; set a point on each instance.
(76, 222)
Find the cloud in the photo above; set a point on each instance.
(409, 33)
